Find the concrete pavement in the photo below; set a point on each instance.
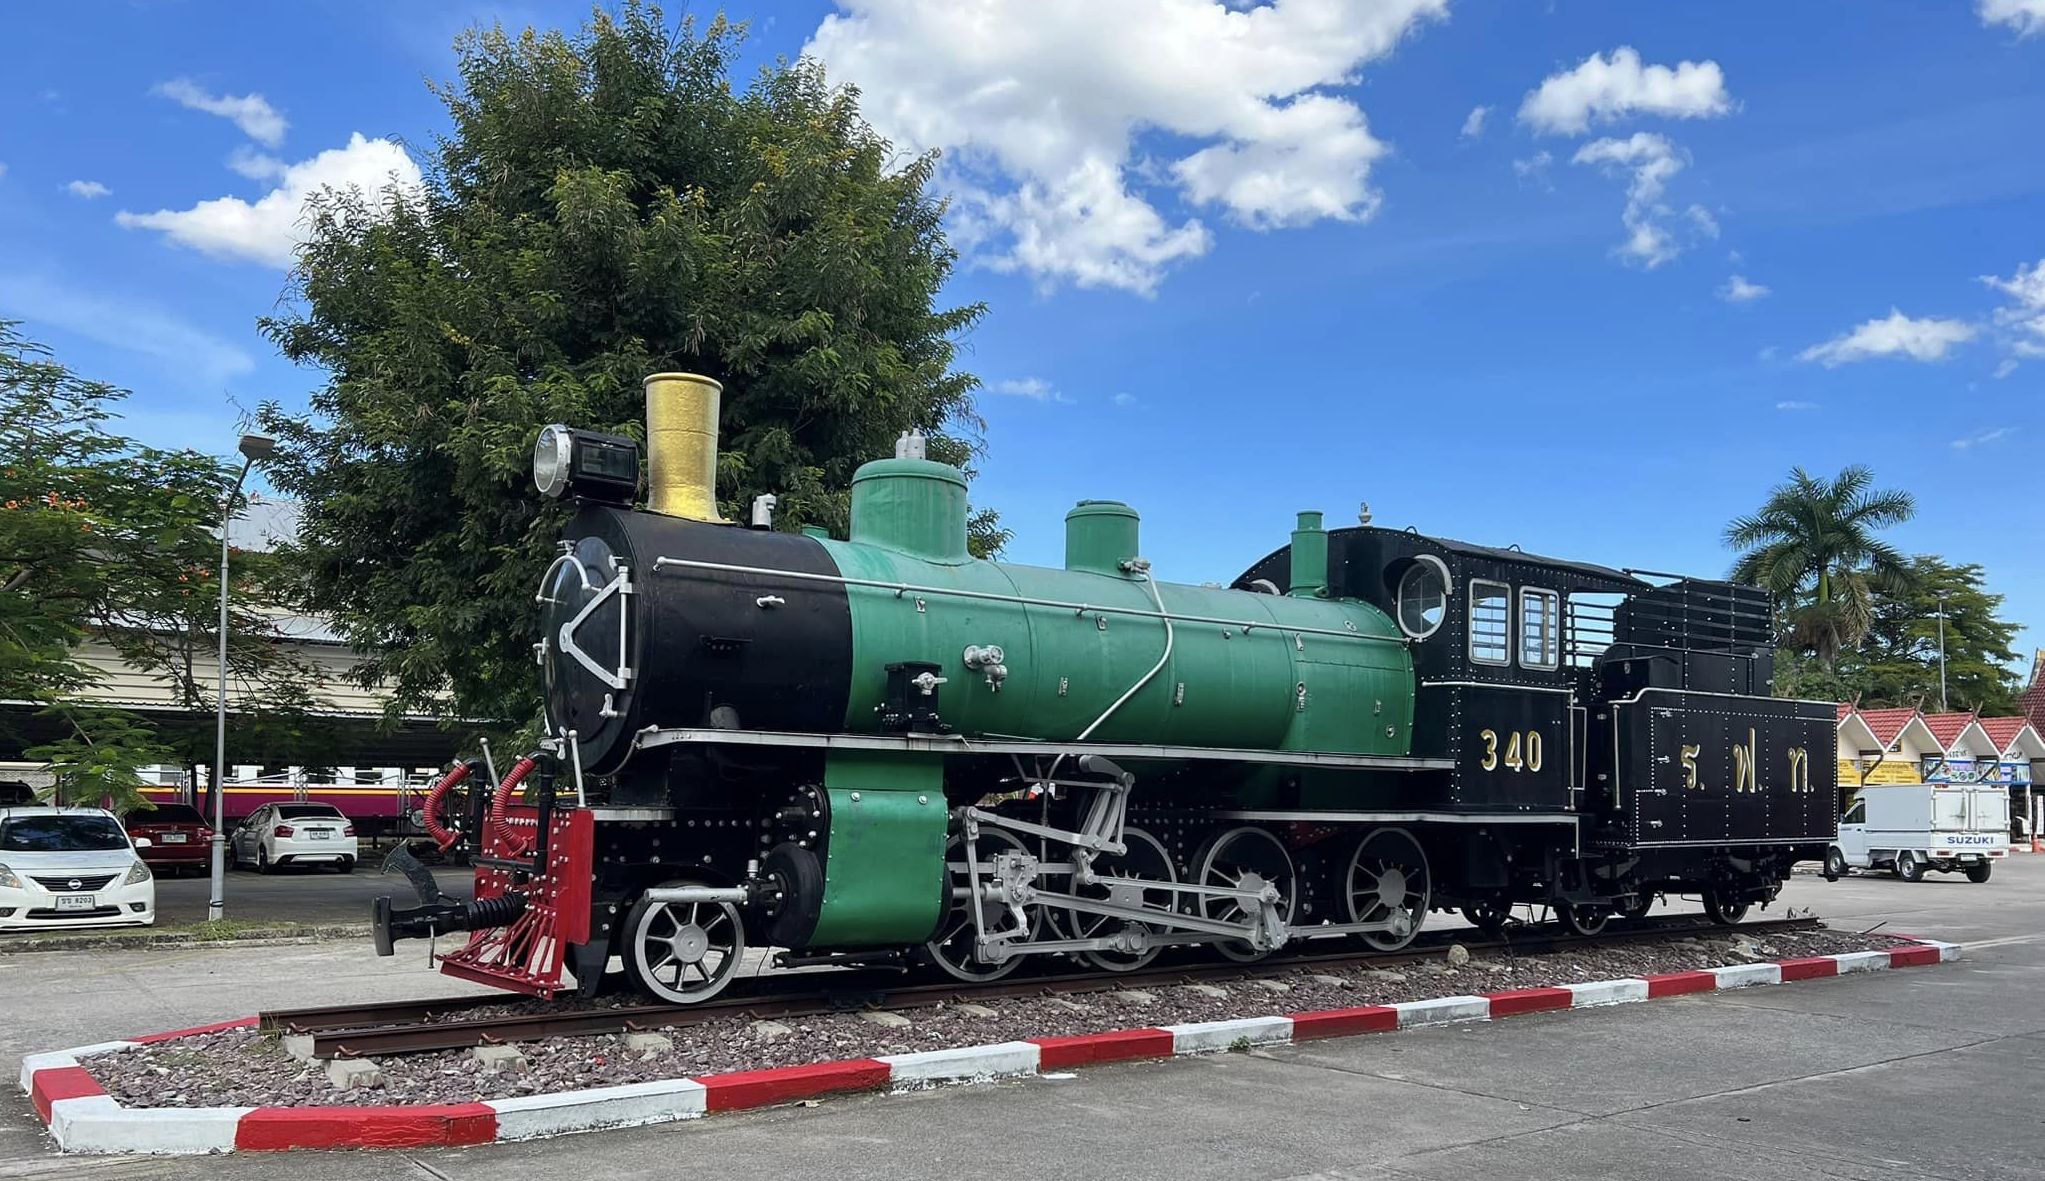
(1922, 1073)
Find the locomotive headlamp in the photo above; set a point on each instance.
(585, 464)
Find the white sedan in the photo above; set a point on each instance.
(71, 867)
(294, 834)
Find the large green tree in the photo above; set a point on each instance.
(1815, 545)
(1898, 663)
(106, 542)
(606, 205)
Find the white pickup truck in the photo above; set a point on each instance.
(1913, 827)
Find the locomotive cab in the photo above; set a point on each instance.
(1628, 722)
(1501, 640)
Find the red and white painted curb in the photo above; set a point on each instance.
(84, 1118)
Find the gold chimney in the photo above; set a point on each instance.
(681, 445)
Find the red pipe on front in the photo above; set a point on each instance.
(500, 807)
(442, 835)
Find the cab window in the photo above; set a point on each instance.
(1856, 814)
(1423, 597)
(1540, 635)
(1490, 622)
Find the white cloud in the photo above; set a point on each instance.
(1701, 217)
(2027, 17)
(1473, 125)
(88, 189)
(1738, 290)
(1125, 399)
(1648, 161)
(2008, 366)
(1534, 168)
(187, 354)
(1604, 89)
(1895, 335)
(1981, 438)
(255, 165)
(1036, 389)
(1796, 406)
(269, 229)
(251, 112)
(1064, 122)
(2024, 315)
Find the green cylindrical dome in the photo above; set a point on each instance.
(1100, 535)
(912, 506)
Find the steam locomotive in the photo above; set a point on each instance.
(882, 748)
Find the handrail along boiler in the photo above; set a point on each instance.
(881, 747)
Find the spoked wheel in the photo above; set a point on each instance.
(1489, 916)
(956, 949)
(1246, 859)
(1642, 902)
(683, 952)
(1146, 859)
(1583, 920)
(1388, 881)
(1721, 909)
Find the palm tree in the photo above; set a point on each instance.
(1814, 547)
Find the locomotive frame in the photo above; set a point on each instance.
(822, 746)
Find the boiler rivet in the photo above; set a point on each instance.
(855, 797)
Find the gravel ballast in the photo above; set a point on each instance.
(241, 1068)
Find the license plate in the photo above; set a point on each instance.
(75, 902)
(315, 834)
(175, 838)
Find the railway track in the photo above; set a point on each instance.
(416, 1026)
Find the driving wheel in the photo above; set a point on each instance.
(1388, 882)
(956, 950)
(1122, 881)
(1246, 859)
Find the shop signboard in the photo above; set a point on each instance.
(1971, 770)
(1893, 771)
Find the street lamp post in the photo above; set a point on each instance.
(1942, 654)
(253, 448)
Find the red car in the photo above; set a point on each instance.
(179, 837)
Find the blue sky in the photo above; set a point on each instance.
(1240, 260)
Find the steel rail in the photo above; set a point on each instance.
(400, 1027)
(389, 1014)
